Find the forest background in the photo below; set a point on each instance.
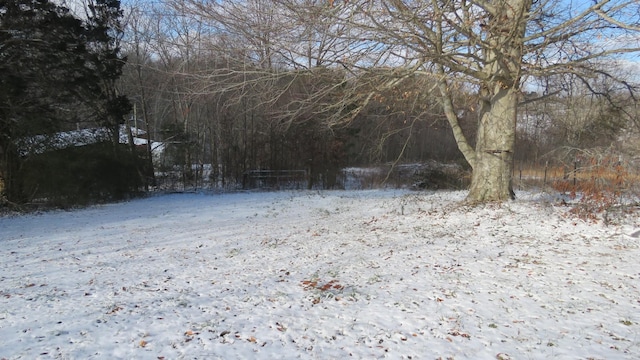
(238, 94)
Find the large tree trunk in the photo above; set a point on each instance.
(493, 167)
(500, 85)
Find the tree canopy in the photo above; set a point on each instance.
(55, 70)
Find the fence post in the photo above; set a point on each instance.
(546, 167)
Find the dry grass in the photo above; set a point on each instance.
(556, 174)
(594, 188)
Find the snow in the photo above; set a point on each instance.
(305, 275)
(61, 140)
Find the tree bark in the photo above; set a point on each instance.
(447, 104)
(499, 92)
(493, 166)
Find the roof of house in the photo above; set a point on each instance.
(39, 144)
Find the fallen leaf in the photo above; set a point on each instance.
(459, 333)
(114, 310)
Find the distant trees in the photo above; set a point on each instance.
(104, 32)
(494, 49)
(574, 114)
(318, 85)
(475, 59)
(241, 87)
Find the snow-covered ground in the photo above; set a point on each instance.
(318, 275)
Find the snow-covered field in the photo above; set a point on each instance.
(328, 275)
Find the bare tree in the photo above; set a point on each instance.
(137, 77)
(495, 47)
(576, 113)
(272, 59)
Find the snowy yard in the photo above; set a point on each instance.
(308, 275)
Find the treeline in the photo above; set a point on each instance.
(218, 91)
(242, 87)
(310, 119)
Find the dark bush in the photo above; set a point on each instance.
(82, 175)
(432, 175)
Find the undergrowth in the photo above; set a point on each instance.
(602, 188)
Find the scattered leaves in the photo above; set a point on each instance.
(316, 285)
(114, 310)
(459, 333)
(309, 284)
